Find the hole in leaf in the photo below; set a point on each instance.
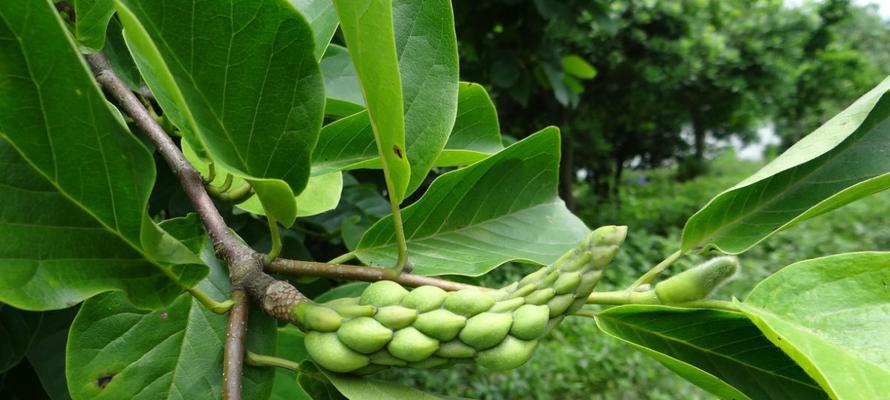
(104, 380)
(397, 150)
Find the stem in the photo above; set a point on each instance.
(259, 360)
(275, 251)
(237, 195)
(651, 274)
(400, 238)
(343, 258)
(233, 355)
(207, 301)
(356, 273)
(211, 172)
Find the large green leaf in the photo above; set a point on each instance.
(322, 17)
(47, 353)
(91, 20)
(17, 330)
(428, 65)
(118, 352)
(239, 77)
(368, 28)
(842, 161)
(471, 220)
(77, 183)
(720, 351)
(831, 315)
(348, 143)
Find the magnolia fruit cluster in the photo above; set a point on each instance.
(428, 327)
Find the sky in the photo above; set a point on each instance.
(883, 4)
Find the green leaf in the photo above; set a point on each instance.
(255, 102)
(428, 66)
(47, 353)
(720, 351)
(842, 161)
(471, 220)
(342, 90)
(176, 352)
(831, 315)
(578, 67)
(313, 381)
(76, 221)
(17, 330)
(358, 388)
(322, 17)
(348, 143)
(476, 127)
(367, 26)
(91, 21)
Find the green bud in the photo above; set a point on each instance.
(395, 317)
(576, 305)
(530, 321)
(549, 279)
(540, 296)
(431, 362)
(329, 352)
(455, 349)
(567, 282)
(425, 298)
(552, 323)
(588, 282)
(559, 304)
(383, 293)
(511, 353)
(504, 292)
(313, 317)
(468, 302)
(486, 330)
(351, 311)
(384, 358)
(507, 305)
(364, 335)
(411, 345)
(698, 282)
(440, 324)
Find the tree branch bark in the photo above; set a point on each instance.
(233, 353)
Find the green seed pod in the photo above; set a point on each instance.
(486, 330)
(507, 305)
(431, 362)
(383, 293)
(314, 317)
(395, 317)
(559, 304)
(352, 311)
(329, 352)
(384, 358)
(369, 369)
(552, 323)
(567, 282)
(411, 345)
(455, 349)
(540, 296)
(530, 321)
(576, 305)
(468, 302)
(524, 290)
(549, 279)
(425, 298)
(364, 334)
(511, 353)
(534, 277)
(574, 264)
(698, 282)
(441, 324)
(504, 292)
(343, 301)
(588, 282)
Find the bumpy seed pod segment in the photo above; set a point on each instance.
(428, 327)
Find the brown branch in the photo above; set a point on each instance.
(233, 355)
(356, 273)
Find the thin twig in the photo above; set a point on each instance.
(651, 274)
(233, 355)
(356, 273)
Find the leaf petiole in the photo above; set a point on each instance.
(207, 301)
(260, 360)
(651, 274)
(275, 234)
